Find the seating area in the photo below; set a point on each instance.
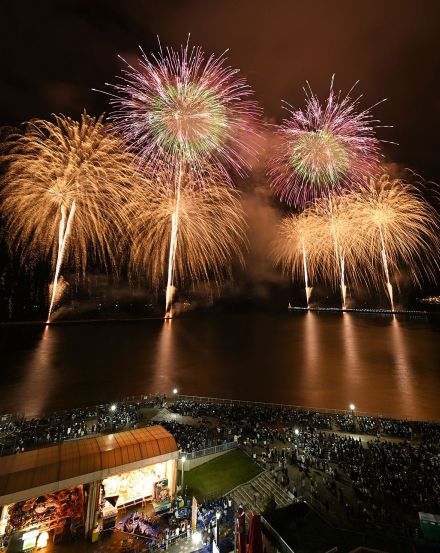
(142, 525)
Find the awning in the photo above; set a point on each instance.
(40, 471)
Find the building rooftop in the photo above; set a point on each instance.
(48, 469)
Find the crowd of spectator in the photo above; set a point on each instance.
(389, 427)
(192, 437)
(389, 481)
(18, 434)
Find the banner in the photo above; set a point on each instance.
(194, 508)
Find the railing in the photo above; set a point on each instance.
(208, 451)
(224, 401)
(148, 541)
(287, 406)
(285, 547)
(11, 417)
(150, 398)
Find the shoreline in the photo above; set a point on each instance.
(290, 309)
(367, 311)
(131, 400)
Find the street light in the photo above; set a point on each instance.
(182, 460)
(112, 417)
(352, 407)
(175, 391)
(296, 431)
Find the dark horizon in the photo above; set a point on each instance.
(58, 52)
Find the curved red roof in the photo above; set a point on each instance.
(81, 461)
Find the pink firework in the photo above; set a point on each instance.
(182, 109)
(324, 149)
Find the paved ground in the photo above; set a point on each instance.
(165, 415)
(113, 542)
(333, 506)
(329, 504)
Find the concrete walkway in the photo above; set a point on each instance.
(254, 494)
(112, 542)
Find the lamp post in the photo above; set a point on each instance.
(113, 408)
(353, 413)
(175, 394)
(182, 460)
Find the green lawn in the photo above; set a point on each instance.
(221, 475)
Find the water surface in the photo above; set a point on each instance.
(381, 364)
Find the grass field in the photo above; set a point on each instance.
(221, 475)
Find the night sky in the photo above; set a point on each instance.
(55, 52)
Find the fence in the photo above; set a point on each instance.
(287, 406)
(148, 545)
(208, 451)
(150, 398)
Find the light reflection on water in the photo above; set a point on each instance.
(163, 366)
(382, 365)
(36, 387)
(351, 353)
(402, 364)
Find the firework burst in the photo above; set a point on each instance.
(321, 244)
(62, 193)
(209, 237)
(185, 111)
(179, 107)
(323, 149)
(363, 237)
(398, 227)
(341, 251)
(294, 246)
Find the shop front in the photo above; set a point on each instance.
(152, 484)
(77, 488)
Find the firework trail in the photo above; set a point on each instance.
(322, 243)
(340, 237)
(323, 149)
(170, 289)
(386, 268)
(63, 235)
(339, 249)
(398, 226)
(62, 192)
(387, 222)
(295, 238)
(308, 289)
(211, 229)
(183, 110)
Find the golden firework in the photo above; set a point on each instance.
(209, 237)
(398, 227)
(62, 194)
(363, 237)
